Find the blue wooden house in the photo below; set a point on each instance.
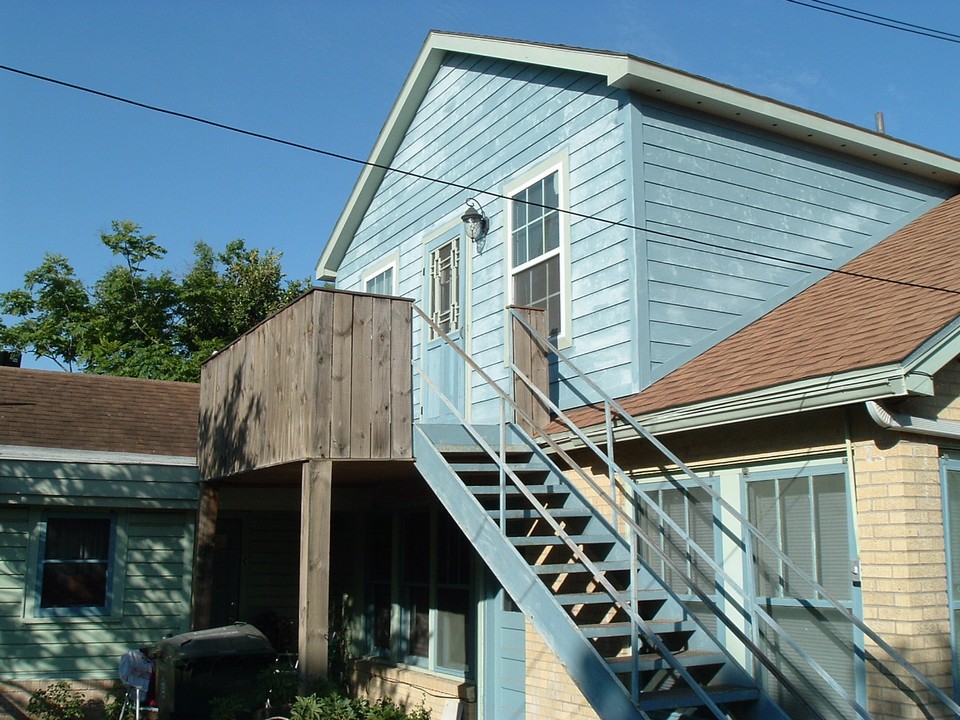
(592, 422)
(98, 496)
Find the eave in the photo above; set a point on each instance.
(913, 376)
(635, 75)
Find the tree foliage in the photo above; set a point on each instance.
(139, 322)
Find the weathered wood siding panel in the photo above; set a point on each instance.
(323, 378)
(738, 221)
(482, 124)
(151, 600)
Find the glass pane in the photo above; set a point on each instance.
(77, 539)
(415, 544)
(833, 554)
(453, 632)
(418, 634)
(701, 529)
(551, 231)
(796, 515)
(453, 554)
(381, 284)
(763, 514)
(380, 610)
(953, 510)
(74, 585)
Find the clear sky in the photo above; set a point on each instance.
(325, 74)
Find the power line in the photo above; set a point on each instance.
(862, 16)
(710, 247)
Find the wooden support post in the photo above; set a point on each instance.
(202, 601)
(315, 500)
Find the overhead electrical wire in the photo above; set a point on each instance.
(854, 14)
(711, 247)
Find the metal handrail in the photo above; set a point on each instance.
(611, 406)
(637, 533)
(614, 594)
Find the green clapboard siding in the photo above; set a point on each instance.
(97, 484)
(152, 568)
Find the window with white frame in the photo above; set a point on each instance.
(537, 263)
(381, 280)
(951, 527)
(805, 513)
(420, 611)
(75, 565)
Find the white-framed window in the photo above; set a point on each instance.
(420, 603)
(381, 279)
(75, 565)
(538, 245)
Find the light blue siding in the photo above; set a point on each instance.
(684, 228)
(723, 204)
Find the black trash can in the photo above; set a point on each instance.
(195, 667)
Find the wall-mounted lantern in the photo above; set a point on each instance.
(474, 221)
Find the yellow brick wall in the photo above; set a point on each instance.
(903, 560)
(551, 694)
(410, 688)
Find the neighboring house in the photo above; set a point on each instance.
(98, 497)
(465, 540)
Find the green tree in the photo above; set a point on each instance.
(137, 322)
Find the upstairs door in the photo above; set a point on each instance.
(444, 299)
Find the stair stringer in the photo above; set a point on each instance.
(601, 688)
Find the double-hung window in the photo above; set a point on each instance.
(431, 622)
(75, 565)
(537, 248)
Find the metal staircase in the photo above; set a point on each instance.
(575, 556)
(633, 654)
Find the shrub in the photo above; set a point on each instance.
(57, 702)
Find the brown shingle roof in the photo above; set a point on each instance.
(41, 408)
(843, 323)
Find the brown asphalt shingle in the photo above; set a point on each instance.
(843, 323)
(48, 409)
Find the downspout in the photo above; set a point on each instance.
(911, 424)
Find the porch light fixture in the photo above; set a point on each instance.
(474, 221)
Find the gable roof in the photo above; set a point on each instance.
(41, 408)
(878, 327)
(629, 73)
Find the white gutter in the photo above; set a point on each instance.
(912, 424)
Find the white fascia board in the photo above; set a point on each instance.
(93, 457)
(654, 80)
(935, 353)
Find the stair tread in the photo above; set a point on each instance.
(587, 598)
(526, 540)
(654, 661)
(622, 629)
(579, 568)
(684, 697)
(493, 468)
(545, 489)
(534, 514)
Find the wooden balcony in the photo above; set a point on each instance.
(328, 377)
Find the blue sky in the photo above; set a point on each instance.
(325, 74)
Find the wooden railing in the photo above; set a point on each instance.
(327, 377)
